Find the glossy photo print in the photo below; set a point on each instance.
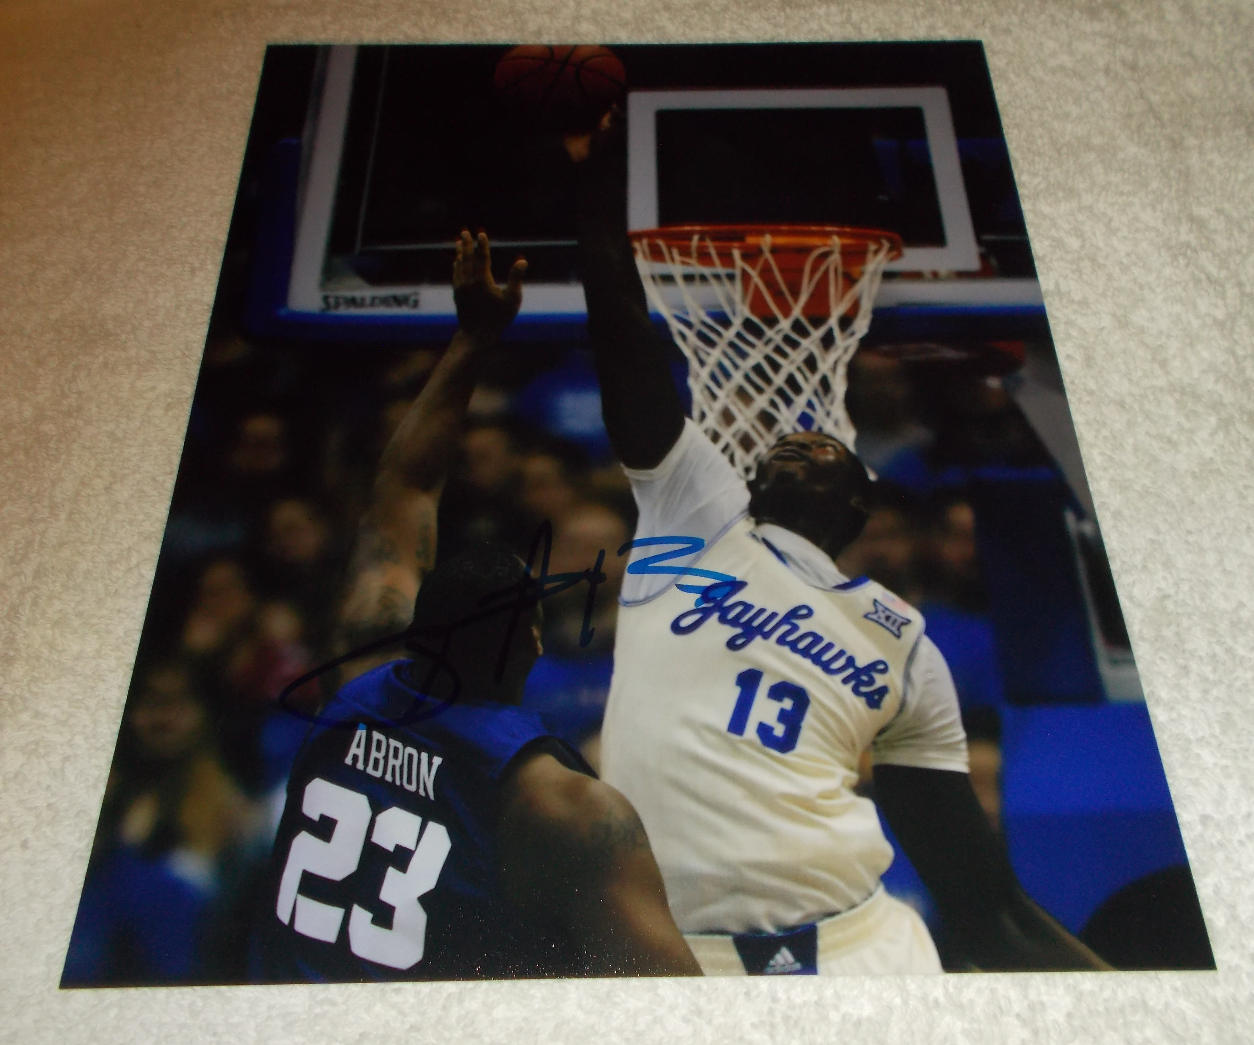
(630, 524)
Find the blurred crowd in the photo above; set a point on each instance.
(281, 447)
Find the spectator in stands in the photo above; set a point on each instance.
(552, 479)
(480, 502)
(954, 574)
(223, 491)
(980, 425)
(241, 650)
(886, 549)
(954, 603)
(269, 655)
(259, 736)
(891, 439)
(300, 564)
(491, 461)
(172, 826)
(298, 532)
(221, 613)
(260, 447)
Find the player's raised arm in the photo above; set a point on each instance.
(641, 407)
(574, 850)
(396, 537)
(937, 818)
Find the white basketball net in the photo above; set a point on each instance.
(755, 380)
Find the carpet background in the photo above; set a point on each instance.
(122, 127)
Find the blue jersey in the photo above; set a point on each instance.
(384, 865)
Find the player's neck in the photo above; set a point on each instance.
(812, 530)
(488, 693)
(474, 683)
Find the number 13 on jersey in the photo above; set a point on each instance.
(782, 734)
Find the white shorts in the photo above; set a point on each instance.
(881, 935)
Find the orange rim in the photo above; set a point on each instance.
(784, 239)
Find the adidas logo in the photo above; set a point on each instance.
(783, 962)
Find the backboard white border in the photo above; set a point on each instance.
(960, 253)
(315, 209)
(565, 301)
(306, 292)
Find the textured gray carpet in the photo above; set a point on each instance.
(1131, 127)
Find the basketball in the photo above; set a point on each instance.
(561, 88)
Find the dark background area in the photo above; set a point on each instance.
(430, 149)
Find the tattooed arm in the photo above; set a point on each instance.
(573, 848)
(396, 537)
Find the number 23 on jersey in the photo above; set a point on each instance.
(400, 947)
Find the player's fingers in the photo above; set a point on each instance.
(483, 257)
(463, 252)
(513, 286)
(458, 263)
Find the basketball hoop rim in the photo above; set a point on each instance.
(782, 238)
(768, 316)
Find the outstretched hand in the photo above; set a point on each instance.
(483, 308)
(579, 147)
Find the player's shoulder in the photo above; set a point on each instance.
(366, 690)
(483, 738)
(882, 606)
(878, 593)
(547, 795)
(561, 834)
(693, 463)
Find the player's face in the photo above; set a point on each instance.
(812, 458)
(808, 482)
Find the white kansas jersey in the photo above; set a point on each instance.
(736, 718)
